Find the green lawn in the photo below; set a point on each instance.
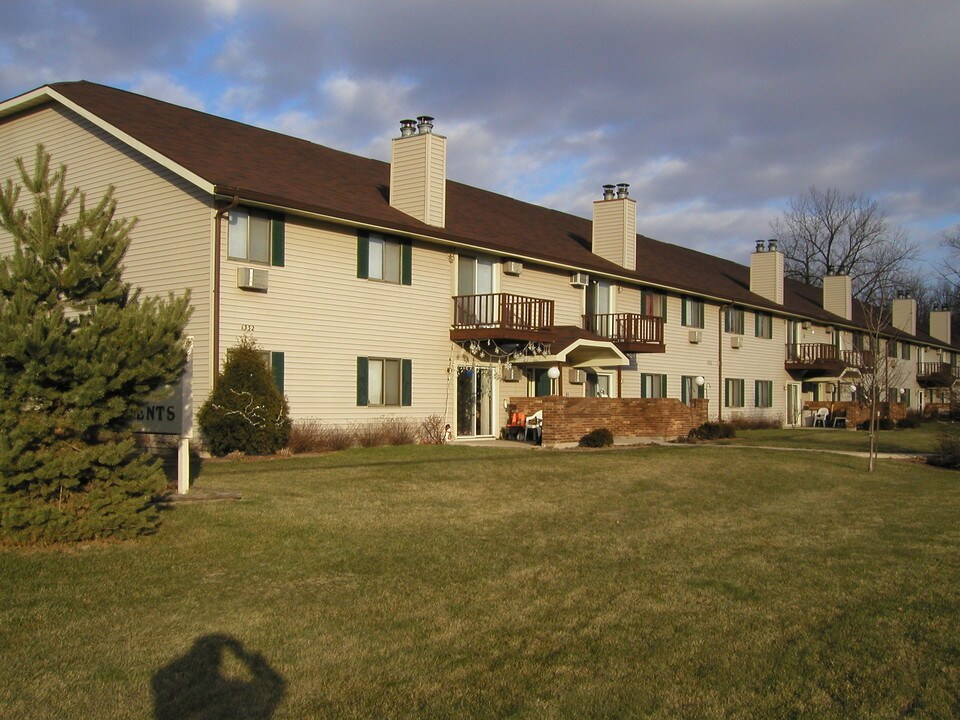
(451, 582)
(922, 439)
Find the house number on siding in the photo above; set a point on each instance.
(248, 328)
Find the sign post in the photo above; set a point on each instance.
(172, 414)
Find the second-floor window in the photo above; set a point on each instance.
(733, 320)
(692, 315)
(653, 304)
(904, 351)
(386, 258)
(256, 236)
(763, 325)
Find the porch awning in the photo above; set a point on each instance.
(849, 375)
(575, 347)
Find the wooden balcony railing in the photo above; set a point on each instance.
(631, 332)
(500, 316)
(937, 374)
(824, 356)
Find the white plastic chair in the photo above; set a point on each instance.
(534, 425)
(821, 417)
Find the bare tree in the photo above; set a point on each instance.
(829, 232)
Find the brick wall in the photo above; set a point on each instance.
(857, 412)
(567, 419)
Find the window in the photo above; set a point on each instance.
(689, 390)
(653, 385)
(274, 361)
(763, 393)
(597, 385)
(763, 325)
(256, 236)
(653, 304)
(811, 388)
(857, 341)
(733, 393)
(733, 320)
(381, 257)
(692, 315)
(904, 351)
(383, 381)
(891, 348)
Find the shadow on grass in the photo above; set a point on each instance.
(217, 678)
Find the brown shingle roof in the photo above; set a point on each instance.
(300, 175)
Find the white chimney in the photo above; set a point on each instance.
(766, 272)
(418, 172)
(941, 325)
(838, 295)
(905, 315)
(615, 226)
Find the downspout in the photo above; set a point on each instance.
(218, 239)
(721, 310)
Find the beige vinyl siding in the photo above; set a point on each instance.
(548, 284)
(170, 246)
(758, 359)
(418, 177)
(681, 357)
(615, 231)
(322, 317)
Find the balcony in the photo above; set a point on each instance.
(501, 316)
(631, 332)
(812, 360)
(937, 374)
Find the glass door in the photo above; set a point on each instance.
(475, 416)
(475, 280)
(794, 404)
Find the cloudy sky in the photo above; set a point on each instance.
(716, 111)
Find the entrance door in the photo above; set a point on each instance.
(794, 404)
(474, 402)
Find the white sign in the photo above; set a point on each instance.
(163, 416)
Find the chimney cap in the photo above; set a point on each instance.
(760, 246)
(772, 244)
(424, 124)
(623, 190)
(407, 127)
(608, 192)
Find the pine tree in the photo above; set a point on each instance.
(80, 352)
(246, 411)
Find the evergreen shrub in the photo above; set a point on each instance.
(599, 438)
(246, 412)
(81, 352)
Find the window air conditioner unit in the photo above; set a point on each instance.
(696, 336)
(578, 376)
(579, 279)
(736, 342)
(512, 267)
(249, 278)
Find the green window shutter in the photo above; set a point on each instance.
(663, 307)
(276, 365)
(278, 239)
(406, 379)
(363, 255)
(685, 389)
(363, 391)
(406, 262)
(683, 311)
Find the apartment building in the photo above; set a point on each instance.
(385, 289)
